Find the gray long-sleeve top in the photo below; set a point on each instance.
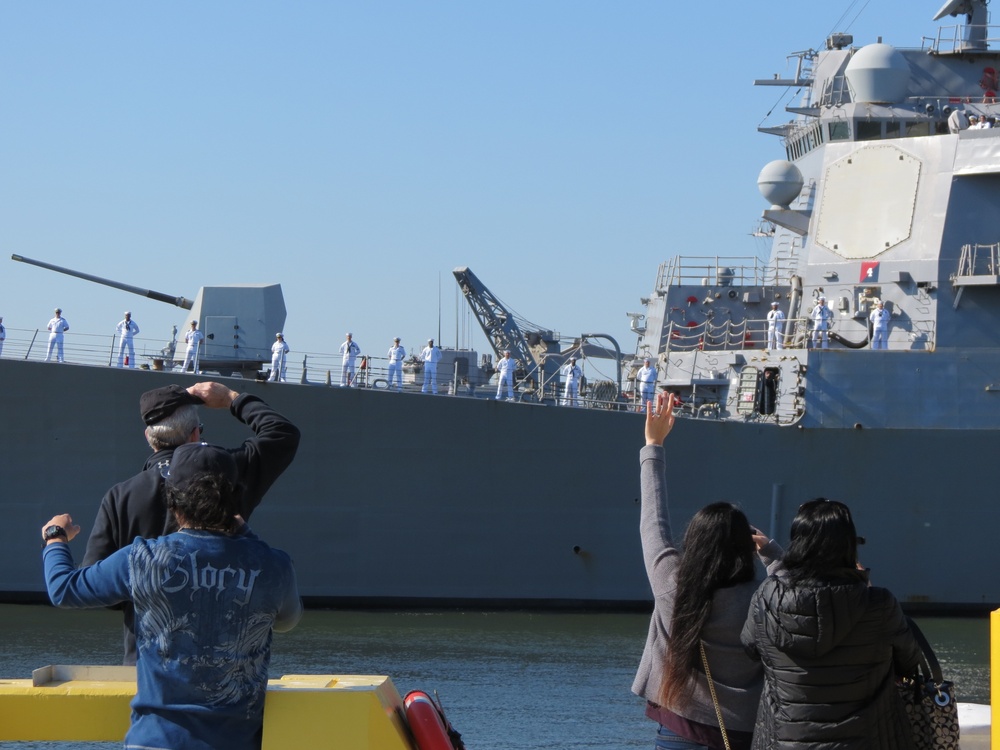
(738, 679)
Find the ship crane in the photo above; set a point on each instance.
(503, 332)
(537, 351)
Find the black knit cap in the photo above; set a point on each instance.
(160, 403)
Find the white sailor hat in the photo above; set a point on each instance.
(279, 335)
(822, 299)
(396, 339)
(58, 310)
(774, 304)
(349, 333)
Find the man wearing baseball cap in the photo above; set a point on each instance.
(208, 598)
(137, 507)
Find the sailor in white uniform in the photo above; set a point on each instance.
(349, 352)
(645, 381)
(3, 335)
(880, 326)
(572, 374)
(127, 329)
(821, 316)
(193, 352)
(431, 355)
(775, 328)
(279, 359)
(505, 374)
(396, 356)
(57, 326)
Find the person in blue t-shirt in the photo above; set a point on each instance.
(207, 600)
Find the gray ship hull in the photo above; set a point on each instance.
(410, 500)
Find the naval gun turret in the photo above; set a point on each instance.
(239, 321)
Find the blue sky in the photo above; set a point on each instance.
(357, 152)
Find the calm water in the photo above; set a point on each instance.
(509, 681)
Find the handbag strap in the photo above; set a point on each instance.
(930, 660)
(715, 699)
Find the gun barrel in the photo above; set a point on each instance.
(158, 296)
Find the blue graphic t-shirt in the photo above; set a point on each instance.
(206, 605)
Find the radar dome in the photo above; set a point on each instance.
(780, 182)
(878, 74)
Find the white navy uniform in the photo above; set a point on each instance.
(396, 356)
(56, 328)
(431, 355)
(349, 351)
(646, 381)
(193, 339)
(279, 360)
(126, 330)
(821, 316)
(505, 374)
(880, 328)
(572, 374)
(775, 329)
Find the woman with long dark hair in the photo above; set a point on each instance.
(831, 644)
(701, 597)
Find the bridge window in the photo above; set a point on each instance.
(839, 131)
(869, 131)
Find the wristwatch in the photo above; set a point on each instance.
(53, 532)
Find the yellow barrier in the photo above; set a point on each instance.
(994, 677)
(77, 703)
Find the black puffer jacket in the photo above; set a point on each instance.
(831, 651)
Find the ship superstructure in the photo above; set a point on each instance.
(877, 201)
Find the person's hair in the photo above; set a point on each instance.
(207, 502)
(823, 542)
(173, 430)
(718, 553)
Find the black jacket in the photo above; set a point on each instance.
(831, 652)
(137, 507)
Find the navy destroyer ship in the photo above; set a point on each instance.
(886, 198)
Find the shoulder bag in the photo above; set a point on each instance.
(929, 701)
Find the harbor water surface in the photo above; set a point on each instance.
(509, 681)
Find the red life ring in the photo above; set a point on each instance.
(425, 722)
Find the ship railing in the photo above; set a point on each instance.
(751, 334)
(81, 348)
(313, 368)
(951, 39)
(979, 260)
(722, 271)
(710, 271)
(730, 335)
